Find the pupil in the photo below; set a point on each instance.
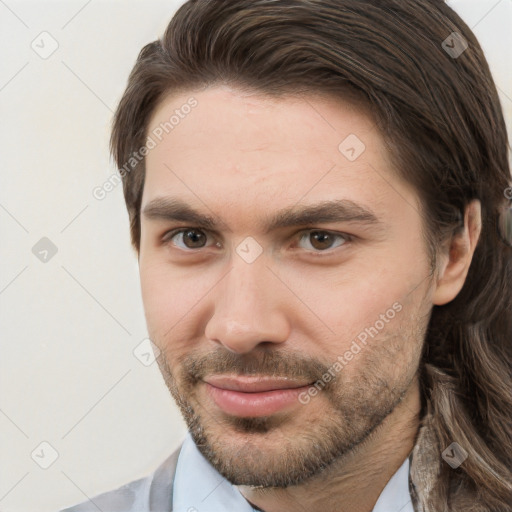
(192, 236)
(323, 237)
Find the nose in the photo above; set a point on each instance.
(248, 308)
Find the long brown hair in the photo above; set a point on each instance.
(441, 119)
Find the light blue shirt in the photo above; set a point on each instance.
(198, 487)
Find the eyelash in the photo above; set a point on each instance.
(167, 237)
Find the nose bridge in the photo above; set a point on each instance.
(246, 309)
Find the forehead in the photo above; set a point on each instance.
(223, 117)
(255, 149)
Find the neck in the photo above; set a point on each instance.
(360, 475)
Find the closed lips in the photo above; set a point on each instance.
(253, 384)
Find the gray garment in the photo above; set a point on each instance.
(152, 493)
(427, 491)
(187, 478)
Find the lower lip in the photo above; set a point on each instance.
(261, 403)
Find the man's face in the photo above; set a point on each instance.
(247, 319)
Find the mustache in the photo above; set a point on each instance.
(268, 363)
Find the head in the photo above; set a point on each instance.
(349, 174)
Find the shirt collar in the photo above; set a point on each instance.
(395, 497)
(199, 487)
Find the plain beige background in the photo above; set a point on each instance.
(71, 320)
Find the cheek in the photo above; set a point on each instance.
(367, 309)
(350, 303)
(162, 305)
(175, 305)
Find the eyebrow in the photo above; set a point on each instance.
(338, 210)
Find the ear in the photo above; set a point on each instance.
(457, 256)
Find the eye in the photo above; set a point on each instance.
(191, 238)
(319, 241)
(322, 241)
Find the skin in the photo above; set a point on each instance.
(300, 304)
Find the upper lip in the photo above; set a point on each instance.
(252, 383)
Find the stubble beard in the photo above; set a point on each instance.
(279, 451)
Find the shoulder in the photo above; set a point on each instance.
(152, 493)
